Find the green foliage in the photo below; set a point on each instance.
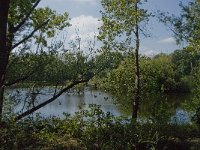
(185, 60)
(107, 61)
(186, 27)
(33, 19)
(77, 65)
(158, 73)
(195, 103)
(93, 129)
(120, 81)
(48, 69)
(104, 63)
(119, 19)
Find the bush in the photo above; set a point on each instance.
(92, 129)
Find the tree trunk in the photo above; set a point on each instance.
(4, 53)
(136, 98)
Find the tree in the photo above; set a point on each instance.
(122, 18)
(119, 81)
(158, 74)
(186, 27)
(185, 60)
(25, 31)
(4, 7)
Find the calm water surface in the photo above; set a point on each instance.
(156, 108)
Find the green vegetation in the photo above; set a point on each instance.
(163, 73)
(93, 129)
(132, 78)
(125, 21)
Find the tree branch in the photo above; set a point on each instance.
(26, 17)
(31, 34)
(18, 80)
(30, 111)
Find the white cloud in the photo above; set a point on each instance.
(148, 51)
(85, 23)
(85, 27)
(169, 40)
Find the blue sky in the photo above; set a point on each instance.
(85, 16)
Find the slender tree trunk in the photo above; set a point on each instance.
(136, 98)
(4, 53)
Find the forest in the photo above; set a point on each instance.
(54, 96)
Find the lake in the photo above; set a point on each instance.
(154, 108)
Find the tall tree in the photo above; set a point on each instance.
(121, 26)
(4, 55)
(23, 25)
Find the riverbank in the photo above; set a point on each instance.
(98, 131)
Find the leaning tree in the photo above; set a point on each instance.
(26, 29)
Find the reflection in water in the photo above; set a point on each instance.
(181, 117)
(156, 108)
(163, 108)
(71, 103)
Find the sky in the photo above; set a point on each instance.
(85, 19)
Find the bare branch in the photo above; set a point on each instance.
(30, 111)
(31, 34)
(26, 17)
